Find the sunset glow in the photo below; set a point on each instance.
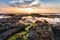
(29, 9)
(38, 10)
(29, 6)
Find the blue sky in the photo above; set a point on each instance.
(49, 5)
(53, 1)
(49, 2)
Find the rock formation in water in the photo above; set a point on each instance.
(41, 31)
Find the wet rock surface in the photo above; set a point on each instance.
(41, 31)
(44, 31)
(10, 26)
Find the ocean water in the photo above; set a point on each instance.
(2, 16)
(50, 20)
(32, 19)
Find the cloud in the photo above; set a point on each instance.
(4, 5)
(12, 1)
(23, 10)
(6, 8)
(53, 5)
(21, 1)
(27, 2)
(24, 2)
(38, 3)
(43, 9)
(16, 3)
(35, 3)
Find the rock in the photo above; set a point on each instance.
(42, 31)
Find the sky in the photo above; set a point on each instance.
(13, 4)
(51, 3)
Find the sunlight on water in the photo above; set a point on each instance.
(2, 16)
(50, 20)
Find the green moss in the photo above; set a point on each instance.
(23, 35)
(13, 38)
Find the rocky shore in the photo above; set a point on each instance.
(41, 30)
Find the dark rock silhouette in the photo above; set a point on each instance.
(42, 30)
(10, 26)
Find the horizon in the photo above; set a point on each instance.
(30, 6)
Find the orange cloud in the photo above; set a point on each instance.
(28, 10)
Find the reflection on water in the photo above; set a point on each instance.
(50, 20)
(2, 16)
(34, 19)
(13, 24)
